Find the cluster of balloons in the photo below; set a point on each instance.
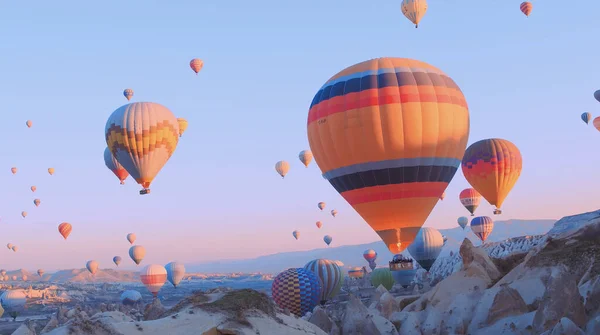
(586, 117)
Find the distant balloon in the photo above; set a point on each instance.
(330, 274)
(426, 247)
(414, 10)
(24, 277)
(40, 272)
(13, 170)
(131, 238)
(470, 199)
(382, 276)
(130, 297)
(319, 224)
(334, 212)
(321, 205)
(370, 255)
(526, 8)
(65, 229)
(14, 278)
(586, 117)
(9, 246)
(183, 124)
(482, 227)
(196, 64)
(117, 260)
(36, 202)
(51, 171)
(3, 272)
(596, 123)
(23, 214)
(463, 221)
(28, 123)
(153, 277)
(297, 290)
(296, 234)
(15, 248)
(33, 188)
(282, 167)
(327, 239)
(137, 253)
(597, 95)
(13, 302)
(128, 93)
(175, 273)
(306, 157)
(356, 272)
(92, 266)
(114, 166)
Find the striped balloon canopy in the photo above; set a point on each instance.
(297, 290)
(482, 227)
(389, 135)
(356, 272)
(426, 247)
(330, 275)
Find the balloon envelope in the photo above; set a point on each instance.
(175, 272)
(130, 297)
(113, 165)
(526, 7)
(131, 237)
(330, 274)
(153, 277)
(297, 290)
(586, 117)
(482, 227)
(282, 167)
(470, 198)
(382, 276)
(426, 247)
(305, 157)
(92, 266)
(414, 10)
(65, 229)
(137, 253)
(463, 221)
(117, 260)
(370, 255)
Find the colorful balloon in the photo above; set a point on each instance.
(92, 266)
(356, 272)
(175, 273)
(596, 123)
(492, 167)
(13, 301)
(142, 136)
(153, 277)
(319, 224)
(183, 124)
(597, 95)
(463, 221)
(9, 246)
(482, 227)
(128, 93)
(51, 171)
(334, 212)
(327, 239)
(117, 260)
(28, 123)
(65, 229)
(137, 253)
(282, 167)
(296, 234)
(403, 277)
(40, 272)
(24, 277)
(426, 247)
(370, 255)
(330, 275)
(321, 205)
(470, 199)
(389, 134)
(196, 64)
(526, 8)
(33, 188)
(131, 238)
(414, 10)
(15, 248)
(382, 276)
(13, 170)
(586, 117)
(297, 290)
(130, 297)
(306, 157)
(113, 165)
(36, 202)
(23, 214)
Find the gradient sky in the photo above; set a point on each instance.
(64, 65)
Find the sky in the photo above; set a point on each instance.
(65, 64)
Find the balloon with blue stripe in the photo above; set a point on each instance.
(482, 227)
(426, 247)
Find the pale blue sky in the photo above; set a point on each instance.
(64, 65)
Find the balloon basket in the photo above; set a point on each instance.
(497, 212)
(145, 191)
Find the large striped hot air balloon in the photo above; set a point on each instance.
(117, 260)
(153, 277)
(331, 277)
(356, 272)
(370, 255)
(282, 167)
(586, 117)
(175, 273)
(526, 8)
(128, 93)
(92, 266)
(297, 290)
(492, 167)
(482, 227)
(137, 253)
(463, 221)
(111, 163)
(389, 134)
(470, 199)
(65, 229)
(130, 297)
(382, 276)
(142, 136)
(13, 302)
(414, 10)
(305, 157)
(426, 247)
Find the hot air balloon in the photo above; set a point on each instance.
(327, 239)
(596, 123)
(183, 124)
(9, 246)
(331, 277)
(526, 8)
(131, 238)
(14, 277)
(282, 167)
(356, 272)
(482, 227)
(389, 134)
(28, 123)
(443, 196)
(306, 157)
(111, 163)
(15, 248)
(13, 170)
(586, 117)
(92, 266)
(492, 167)
(137, 253)
(40, 272)
(24, 277)
(321, 205)
(296, 234)
(3, 272)
(196, 64)
(117, 260)
(370, 255)
(51, 171)
(463, 221)
(130, 297)
(297, 290)
(414, 10)
(13, 302)
(33, 188)
(319, 224)
(402, 270)
(175, 273)
(426, 247)
(23, 214)
(382, 276)
(153, 277)
(142, 136)
(65, 229)
(334, 212)
(470, 199)
(128, 93)
(597, 95)
(36, 202)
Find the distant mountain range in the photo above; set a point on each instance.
(351, 255)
